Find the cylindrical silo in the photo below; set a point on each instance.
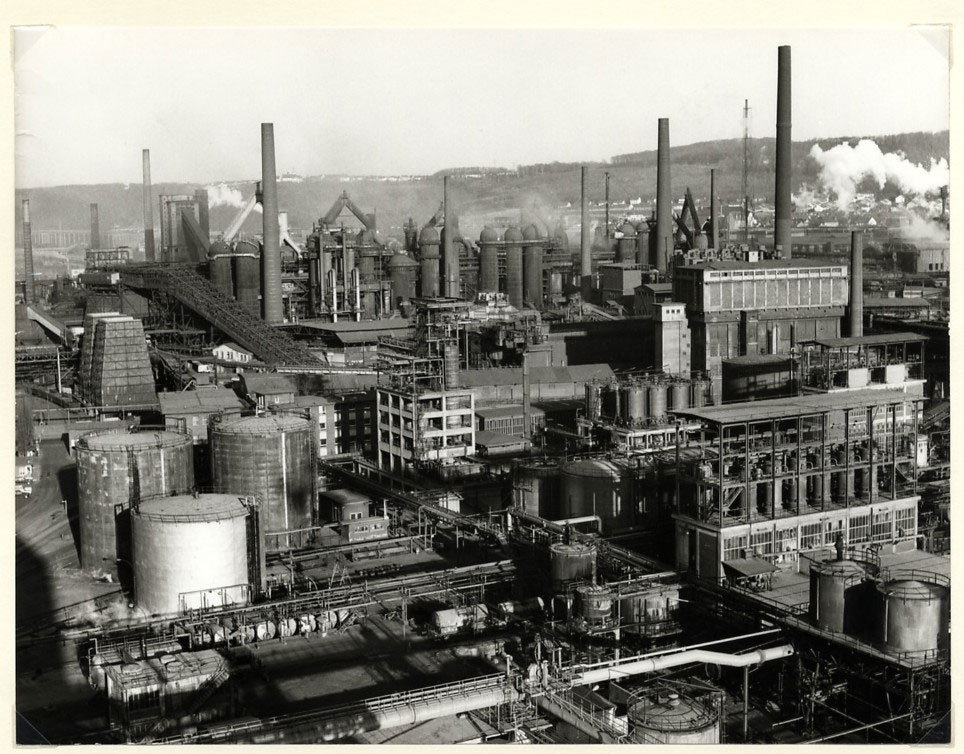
(658, 402)
(633, 402)
(535, 488)
(219, 268)
(839, 600)
(913, 612)
(594, 604)
(402, 271)
(270, 457)
(513, 267)
(489, 260)
(247, 276)
(598, 487)
(680, 394)
(190, 552)
(670, 718)
(428, 256)
(113, 470)
(532, 261)
(625, 246)
(571, 562)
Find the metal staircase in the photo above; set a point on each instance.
(196, 293)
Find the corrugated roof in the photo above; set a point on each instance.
(789, 407)
(496, 439)
(190, 401)
(267, 384)
(883, 302)
(352, 326)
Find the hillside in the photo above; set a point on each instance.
(548, 186)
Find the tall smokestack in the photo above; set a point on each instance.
(856, 284)
(148, 209)
(94, 227)
(664, 199)
(585, 251)
(271, 255)
(450, 257)
(203, 212)
(784, 207)
(714, 218)
(27, 255)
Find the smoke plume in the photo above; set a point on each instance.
(223, 195)
(842, 167)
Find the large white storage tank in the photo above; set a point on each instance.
(190, 552)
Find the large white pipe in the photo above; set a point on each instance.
(617, 672)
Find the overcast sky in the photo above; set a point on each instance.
(417, 101)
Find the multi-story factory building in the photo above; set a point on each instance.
(778, 479)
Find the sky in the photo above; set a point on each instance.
(393, 101)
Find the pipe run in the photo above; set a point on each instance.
(616, 672)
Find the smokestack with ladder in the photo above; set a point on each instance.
(585, 251)
(94, 227)
(28, 287)
(783, 214)
(664, 199)
(714, 217)
(148, 209)
(856, 284)
(450, 257)
(272, 307)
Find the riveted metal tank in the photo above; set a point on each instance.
(633, 402)
(598, 487)
(680, 394)
(271, 457)
(428, 255)
(658, 400)
(402, 271)
(670, 718)
(190, 552)
(650, 612)
(489, 260)
(594, 604)
(571, 562)
(514, 285)
(220, 266)
(247, 276)
(839, 596)
(535, 487)
(113, 470)
(913, 612)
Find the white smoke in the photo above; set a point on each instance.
(924, 229)
(115, 612)
(842, 167)
(223, 195)
(805, 200)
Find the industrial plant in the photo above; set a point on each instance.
(594, 474)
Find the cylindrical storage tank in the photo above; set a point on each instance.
(658, 401)
(633, 403)
(513, 267)
(598, 487)
(594, 604)
(535, 488)
(756, 377)
(220, 268)
(247, 276)
(532, 259)
(271, 457)
(450, 357)
(190, 552)
(593, 400)
(609, 400)
(701, 389)
(626, 246)
(402, 271)
(673, 719)
(680, 395)
(114, 469)
(489, 260)
(571, 562)
(839, 596)
(913, 612)
(428, 242)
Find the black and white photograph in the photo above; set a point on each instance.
(480, 384)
